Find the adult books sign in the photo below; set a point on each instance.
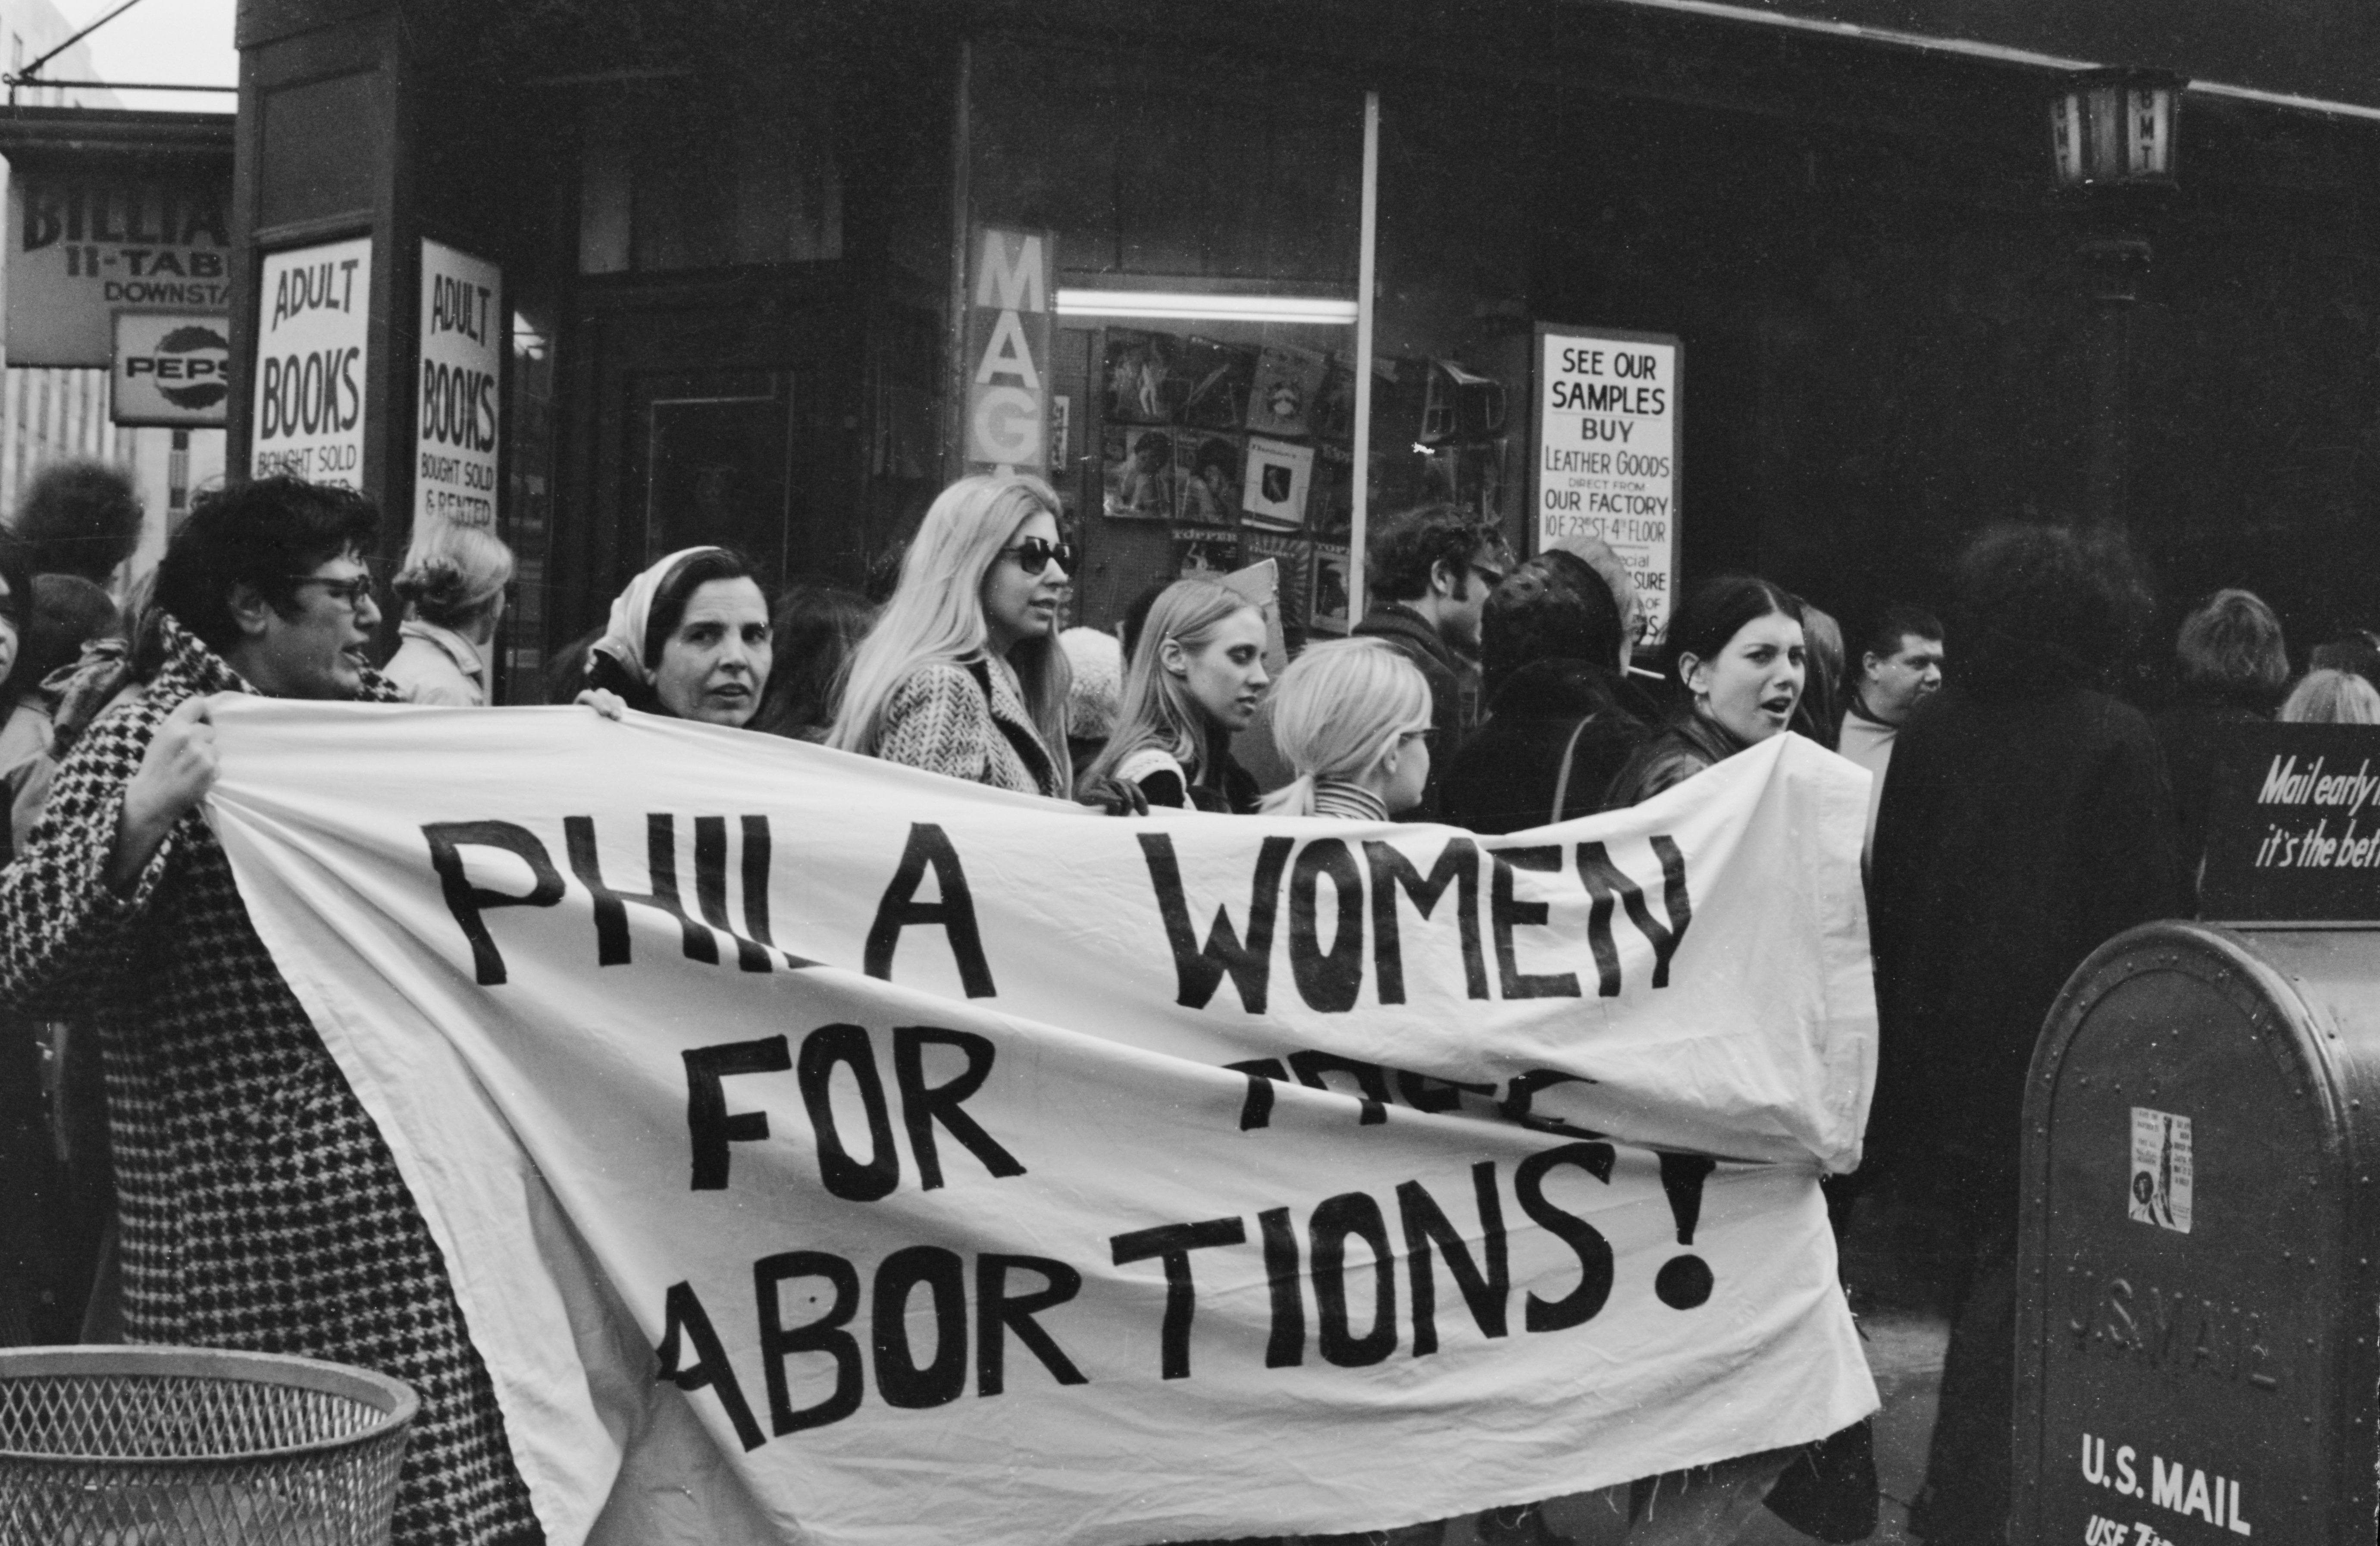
(312, 328)
(1605, 462)
(457, 409)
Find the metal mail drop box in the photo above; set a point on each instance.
(2195, 1286)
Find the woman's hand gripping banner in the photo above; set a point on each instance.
(824, 1150)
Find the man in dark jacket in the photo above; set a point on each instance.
(2235, 667)
(2027, 821)
(1430, 570)
(1555, 733)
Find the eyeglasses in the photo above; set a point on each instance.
(355, 590)
(1034, 554)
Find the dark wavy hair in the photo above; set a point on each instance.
(1554, 607)
(265, 533)
(1408, 547)
(813, 631)
(79, 517)
(1715, 612)
(677, 588)
(2040, 609)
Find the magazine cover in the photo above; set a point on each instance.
(1215, 380)
(1143, 385)
(1334, 413)
(1206, 477)
(1136, 465)
(1328, 611)
(1288, 382)
(1205, 552)
(1330, 505)
(1273, 491)
(1292, 557)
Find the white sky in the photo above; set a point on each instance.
(188, 40)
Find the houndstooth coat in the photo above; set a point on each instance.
(968, 722)
(258, 1208)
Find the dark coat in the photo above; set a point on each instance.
(1684, 747)
(2014, 837)
(2193, 734)
(258, 1208)
(1410, 632)
(1504, 778)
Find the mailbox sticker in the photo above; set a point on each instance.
(2161, 1169)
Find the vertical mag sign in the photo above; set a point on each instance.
(457, 401)
(313, 320)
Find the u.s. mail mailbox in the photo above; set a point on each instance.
(2196, 1285)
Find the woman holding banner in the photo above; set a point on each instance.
(259, 1207)
(962, 674)
(1737, 650)
(689, 638)
(1197, 680)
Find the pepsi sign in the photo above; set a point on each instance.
(172, 369)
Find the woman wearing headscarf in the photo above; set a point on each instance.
(689, 638)
(963, 675)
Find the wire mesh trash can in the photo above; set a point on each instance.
(187, 1446)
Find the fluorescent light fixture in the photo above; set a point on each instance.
(1317, 310)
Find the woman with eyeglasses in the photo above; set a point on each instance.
(1196, 680)
(963, 675)
(1352, 718)
(453, 587)
(688, 639)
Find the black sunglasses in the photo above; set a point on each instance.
(1034, 554)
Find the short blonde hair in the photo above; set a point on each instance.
(1336, 711)
(454, 575)
(2332, 698)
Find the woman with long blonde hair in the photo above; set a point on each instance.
(1197, 676)
(1352, 718)
(962, 674)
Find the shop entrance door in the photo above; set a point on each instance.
(711, 415)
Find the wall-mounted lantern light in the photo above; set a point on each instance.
(2115, 127)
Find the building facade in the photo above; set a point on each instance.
(755, 262)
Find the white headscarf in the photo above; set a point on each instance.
(624, 636)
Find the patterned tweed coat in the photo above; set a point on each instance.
(258, 1208)
(968, 722)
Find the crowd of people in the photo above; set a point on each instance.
(2021, 814)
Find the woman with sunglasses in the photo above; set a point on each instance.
(1352, 718)
(1197, 679)
(962, 674)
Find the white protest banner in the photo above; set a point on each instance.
(313, 321)
(456, 413)
(823, 1149)
(1607, 437)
